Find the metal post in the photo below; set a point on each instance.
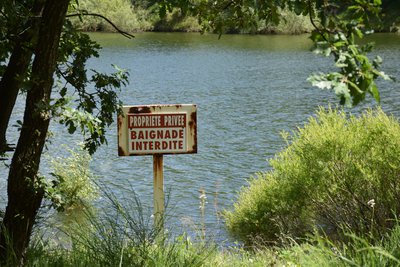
(158, 176)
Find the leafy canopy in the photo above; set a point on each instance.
(337, 33)
(95, 97)
(87, 99)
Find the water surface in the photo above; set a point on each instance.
(248, 89)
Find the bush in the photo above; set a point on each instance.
(176, 21)
(125, 16)
(73, 183)
(337, 172)
(290, 24)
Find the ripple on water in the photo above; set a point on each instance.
(248, 89)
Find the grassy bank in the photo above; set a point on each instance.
(124, 238)
(122, 234)
(178, 255)
(143, 16)
(121, 231)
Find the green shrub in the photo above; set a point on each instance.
(73, 184)
(125, 16)
(337, 172)
(175, 21)
(135, 16)
(290, 24)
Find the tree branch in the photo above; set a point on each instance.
(84, 13)
(310, 10)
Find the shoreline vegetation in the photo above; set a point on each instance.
(142, 16)
(310, 227)
(330, 198)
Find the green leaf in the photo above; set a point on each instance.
(355, 87)
(63, 91)
(382, 74)
(377, 2)
(375, 92)
(71, 128)
(342, 90)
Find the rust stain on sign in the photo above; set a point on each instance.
(140, 109)
(193, 130)
(157, 129)
(119, 125)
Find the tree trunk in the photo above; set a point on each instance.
(24, 190)
(16, 71)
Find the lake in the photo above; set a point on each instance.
(248, 89)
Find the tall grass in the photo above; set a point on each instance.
(123, 234)
(357, 251)
(318, 250)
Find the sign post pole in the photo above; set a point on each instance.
(157, 130)
(158, 176)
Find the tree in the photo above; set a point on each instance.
(18, 43)
(20, 213)
(338, 24)
(39, 45)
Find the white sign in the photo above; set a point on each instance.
(157, 129)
